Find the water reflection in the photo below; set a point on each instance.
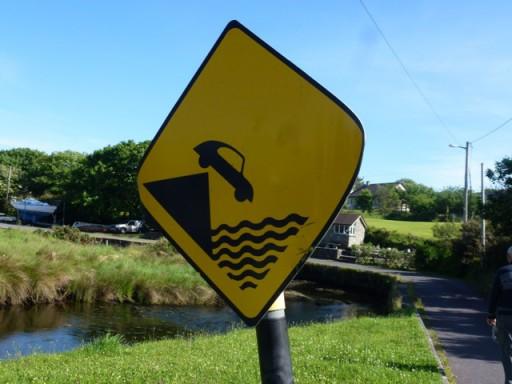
(30, 319)
(59, 327)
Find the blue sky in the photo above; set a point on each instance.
(85, 74)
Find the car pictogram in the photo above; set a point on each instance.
(209, 156)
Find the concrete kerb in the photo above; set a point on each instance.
(406, 301)
(440, 366)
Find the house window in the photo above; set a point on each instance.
(341, 229)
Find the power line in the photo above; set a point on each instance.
(407, 73)
(493, 130)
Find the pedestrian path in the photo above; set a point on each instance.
(457, 315)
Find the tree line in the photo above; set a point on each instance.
(101, 187)
(416, 202)
(97, 187)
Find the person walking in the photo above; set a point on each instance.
(500, 313)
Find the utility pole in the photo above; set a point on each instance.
(466, 179)
(482, 226)
(466, 183)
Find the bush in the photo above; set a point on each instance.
(69, 234)
(454, 250)
(386, 257)
(162, 247)
(396, 259)
(446, 231)
(391, 239)
(438, 255)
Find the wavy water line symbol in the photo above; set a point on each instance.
(253, 238)
(247, 249)
(278, 223)
(248, 284)
(248, 261)
(248, 273)
(252, 262)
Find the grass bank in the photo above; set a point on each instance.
(364, 350)
(416, 228)
(40, 269)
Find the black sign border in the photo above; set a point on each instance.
(234, 24)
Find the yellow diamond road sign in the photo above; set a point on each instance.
(249, 169)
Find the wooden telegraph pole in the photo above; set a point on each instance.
(482, 224)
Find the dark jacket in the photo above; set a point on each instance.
(501, 293)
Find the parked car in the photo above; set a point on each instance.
(90, 227)
(7, 219)
(132, 226)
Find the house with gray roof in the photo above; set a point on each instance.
(347, 230)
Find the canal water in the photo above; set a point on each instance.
(53, 328)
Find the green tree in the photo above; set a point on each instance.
(420, 198)
(9, 186)
(449, 202)
(387, 199)
(53, 174)
(104, 189)
(24, 163)
(358, 183)
(499, 205)
(469, 246)
(36, 174)
(364, 200)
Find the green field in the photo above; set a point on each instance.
(365, 350)
(416, 228)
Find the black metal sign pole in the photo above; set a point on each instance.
(273, 345)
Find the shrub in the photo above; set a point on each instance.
(454, 250)
(469, 246)
(387, 257)
(162, 247)
(391, 239)
(423, 254)
(446, 231)
(436, 255)
(67, 233)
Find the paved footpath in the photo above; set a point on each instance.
(457, 315)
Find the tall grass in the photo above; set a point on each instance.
(39, 269)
